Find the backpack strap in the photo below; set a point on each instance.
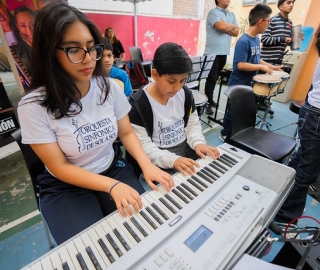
(144, 109)
(189, 105)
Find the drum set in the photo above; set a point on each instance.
(265, 87)
(200, 101)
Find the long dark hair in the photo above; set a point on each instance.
(317, 34)
(60, 90)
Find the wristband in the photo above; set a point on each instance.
(116, 183)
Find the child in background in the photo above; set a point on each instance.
(114, 72)
(164, 117)
(246, 61)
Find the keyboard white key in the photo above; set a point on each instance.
(65, 257)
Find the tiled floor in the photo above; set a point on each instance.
(22, 237)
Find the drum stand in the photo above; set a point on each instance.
(263, 121)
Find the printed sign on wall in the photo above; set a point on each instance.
(254, 2)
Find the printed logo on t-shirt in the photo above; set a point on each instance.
(91, 135)
(255, 50)
(172, 134)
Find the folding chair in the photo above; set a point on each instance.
(135, 54)
(35, 167)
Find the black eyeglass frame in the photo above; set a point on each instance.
(66, 50)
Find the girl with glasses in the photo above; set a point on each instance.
(71, 116)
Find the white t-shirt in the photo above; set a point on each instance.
(10, 38)
(314, 94)
(168, 123)
(86, 139)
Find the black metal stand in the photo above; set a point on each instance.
(224, 74)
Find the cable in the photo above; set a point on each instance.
(294, 220)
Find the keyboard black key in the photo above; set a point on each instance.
(185, 192)
(166, 204)
(131, 231)
(189, 189)
(65, 266)
(154, 215)
(158, 209)
(121, 239)
(224, 161)
(114, 244)
(198, 180)
(230, 158)
(139, 227)
(192, 182)
(218, 167)
(149, 220)
(215, 176)
(173, 201)
(205, 175)
(82, 262)
(106, 250)
(93, 259)
(183, 198)
(228, 161)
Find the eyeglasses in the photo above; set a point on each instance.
(76, 54)
(266, 20)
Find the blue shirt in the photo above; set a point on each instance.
(121, 75)
(247, 50)
(218, 42)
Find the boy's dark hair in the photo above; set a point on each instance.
(107, 45)
(216, 2)
(260, 11)
(171, 58)
(280, 2)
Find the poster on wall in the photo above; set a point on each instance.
(17, 21)
(254, 2)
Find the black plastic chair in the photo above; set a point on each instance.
(35, 167)
(244, 135)
(135, 54)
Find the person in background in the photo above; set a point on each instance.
(278, 35)
(246, 61)
(114, 72)
(167, 111)
(71, 117)
(118, 50)
(25, 18)
(306, 161)
(276, 38)
(8, 24)
(221, 25)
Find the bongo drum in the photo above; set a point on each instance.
(200, 101)
(265, 84)
(284, 76)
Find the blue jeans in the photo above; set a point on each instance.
(306, 162)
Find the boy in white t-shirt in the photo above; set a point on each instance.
(164, 117)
